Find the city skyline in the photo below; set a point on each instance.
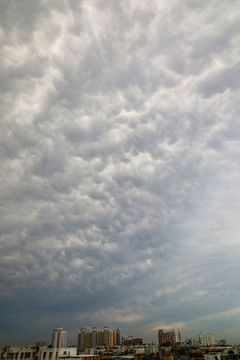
(120, 174)
(104, 344)
(91, 337)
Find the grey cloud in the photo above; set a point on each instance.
(222, 81)
(119, 165)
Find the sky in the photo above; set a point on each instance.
(119, 167)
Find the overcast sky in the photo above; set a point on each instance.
(119, 167)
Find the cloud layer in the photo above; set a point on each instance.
(120, 166)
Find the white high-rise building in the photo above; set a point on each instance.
(206, 339)
(59, 338)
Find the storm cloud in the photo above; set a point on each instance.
(119, 167)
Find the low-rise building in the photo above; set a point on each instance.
(36, 353)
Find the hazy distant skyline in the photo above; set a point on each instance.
(119, 167)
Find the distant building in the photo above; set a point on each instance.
(107, 336)
(36, 353)
(126, 337)
(153, 348)
(222, 342)
(189, 342)
(83, 340)
(213, 356)
(93, 337)
(87, 357)
(133, 341)
(206, 339)
(59, 338)
(90, 338)
(166, 338)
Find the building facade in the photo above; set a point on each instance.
(90, 338)
(166, 338)
(59, 338)
(36, 353)
(206, 339)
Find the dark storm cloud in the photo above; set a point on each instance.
(119, 170)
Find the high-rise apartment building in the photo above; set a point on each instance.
(110, 337)
(166, 337)
(93, 337)
(59, 338)
(206, 339)
(83, 339)
(89, 338)
(117, 337)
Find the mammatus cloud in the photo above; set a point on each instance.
(120, 166)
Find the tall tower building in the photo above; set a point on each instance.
(179, 336)
(90, 338)
(206, 339)
(59, 338)
(166, 337)
(116, 337)
(83, 340)
(93, 337)
(99, 337)
(105, 336)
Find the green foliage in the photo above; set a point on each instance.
(195, 354)
(167, 343)
(181, 351)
